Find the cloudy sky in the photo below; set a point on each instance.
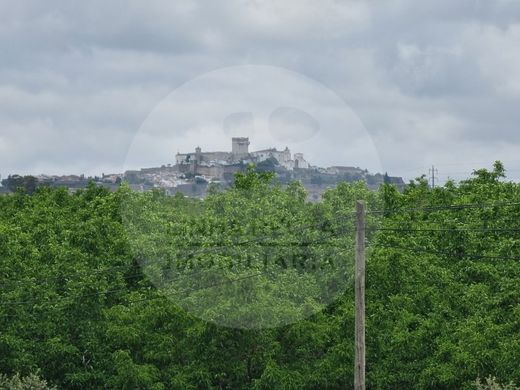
(396, 85)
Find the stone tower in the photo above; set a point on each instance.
(198, 154)
(240, 146)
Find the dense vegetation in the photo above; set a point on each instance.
(85, 279)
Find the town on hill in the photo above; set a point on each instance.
(193, 173)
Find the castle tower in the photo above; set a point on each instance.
(240, 146)
(299, 161)
(198, 154)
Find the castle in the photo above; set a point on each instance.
(223, 164)
(192, 172)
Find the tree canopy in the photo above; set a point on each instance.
(252, 287)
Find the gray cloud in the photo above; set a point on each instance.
(432, 81)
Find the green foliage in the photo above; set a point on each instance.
(253, 179)
(262, 245)
(84, 279)
(492, 384)
(30, 382)
(27, 184)
(268, 165)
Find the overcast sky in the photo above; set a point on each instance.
(430, 82)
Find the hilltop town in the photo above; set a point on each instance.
(194, 172)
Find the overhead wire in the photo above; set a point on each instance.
(444, 208)
(163, 294)
(446, 253)
(259, 240)
(494, 230)
(204, 247)
(200, 272)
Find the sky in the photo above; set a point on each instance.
(395, 85)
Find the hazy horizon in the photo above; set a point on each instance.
(435, 82)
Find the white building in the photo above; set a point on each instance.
(240, 152)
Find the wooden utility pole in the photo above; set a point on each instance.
(359, 368)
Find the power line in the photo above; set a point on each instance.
(223, 267)
(203, 249)
(465, 163)
(188, 291)
(70, 277)
(93, 294)
(99, 293)
(445, 208)
(260, 239)
(21, 303)
(446, 253)
(165, 295)
(447, 230)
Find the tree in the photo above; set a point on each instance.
(119, 289)
(24, 183)
(30, 382)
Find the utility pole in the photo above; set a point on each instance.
(359, 368)
(433, 172)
